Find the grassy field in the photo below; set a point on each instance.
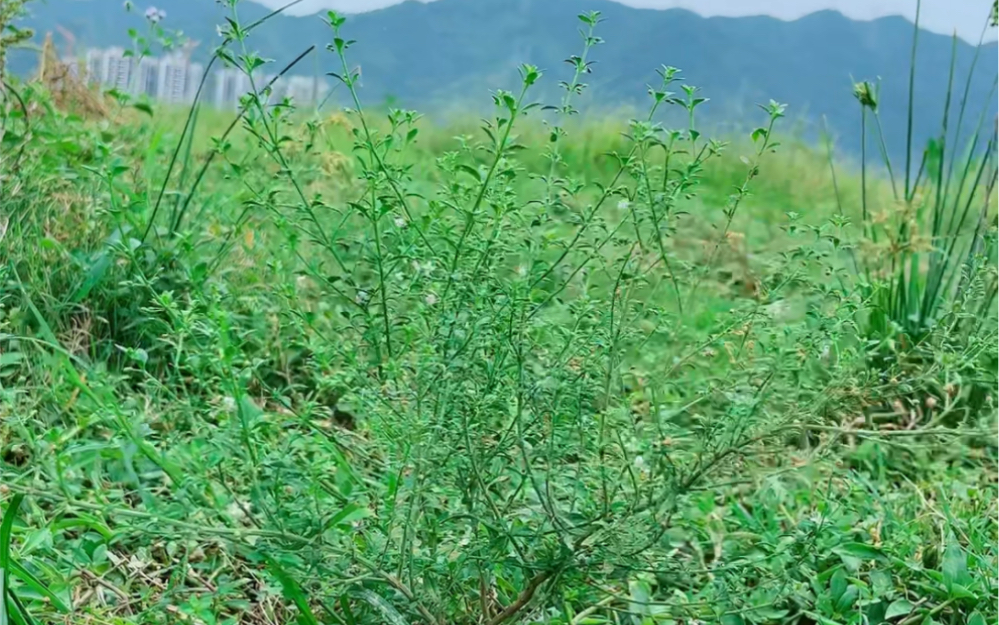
(351, 367)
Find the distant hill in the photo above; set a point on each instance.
(449, 53)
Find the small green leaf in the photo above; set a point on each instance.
(955, 566)
(248, 409)
(38, 538)
(860, 551)
(335, 20)
(11, 358)
(349, 514)
(899, 607)
(960, 591)
(766, 614)
(847, 599)
(471, 171)
(143, 107)
(641, 594)
(881, 583)
(93, 277)
(838, 585)
(976, 618)
(100, 554)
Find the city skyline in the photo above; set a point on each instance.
(174, 78)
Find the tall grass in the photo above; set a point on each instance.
(928, 261)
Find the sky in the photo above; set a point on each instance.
(967, 17)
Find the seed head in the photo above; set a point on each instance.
(866, 95)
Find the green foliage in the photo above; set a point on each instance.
(926, 264)
(10, 34)
(273, 367)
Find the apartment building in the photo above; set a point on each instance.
(174, 78)
(112, 68)
(302, 90)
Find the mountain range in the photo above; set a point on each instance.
(447, 55)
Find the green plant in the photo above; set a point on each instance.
(494, 367)
(10, 35)
(926, 265)
(367, 369)
(12, 604)
(942, 217)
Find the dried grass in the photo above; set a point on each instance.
(70, 93)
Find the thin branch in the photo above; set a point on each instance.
(523, 598)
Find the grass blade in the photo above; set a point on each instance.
(388, 613)
(294, 593)
(19, 614)
(912, 96)
(32, 582)
(5, 559)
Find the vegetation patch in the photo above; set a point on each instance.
(278, 365)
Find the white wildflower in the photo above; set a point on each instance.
(431, 299)
(425, 268)
(154, 15)
(639, 463)
(236, 511)
(228, 404)
(778, 309)
(400, 222)
(623, 205)
(362, 297)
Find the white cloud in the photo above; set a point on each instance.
(967, 17)
(308, 7)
